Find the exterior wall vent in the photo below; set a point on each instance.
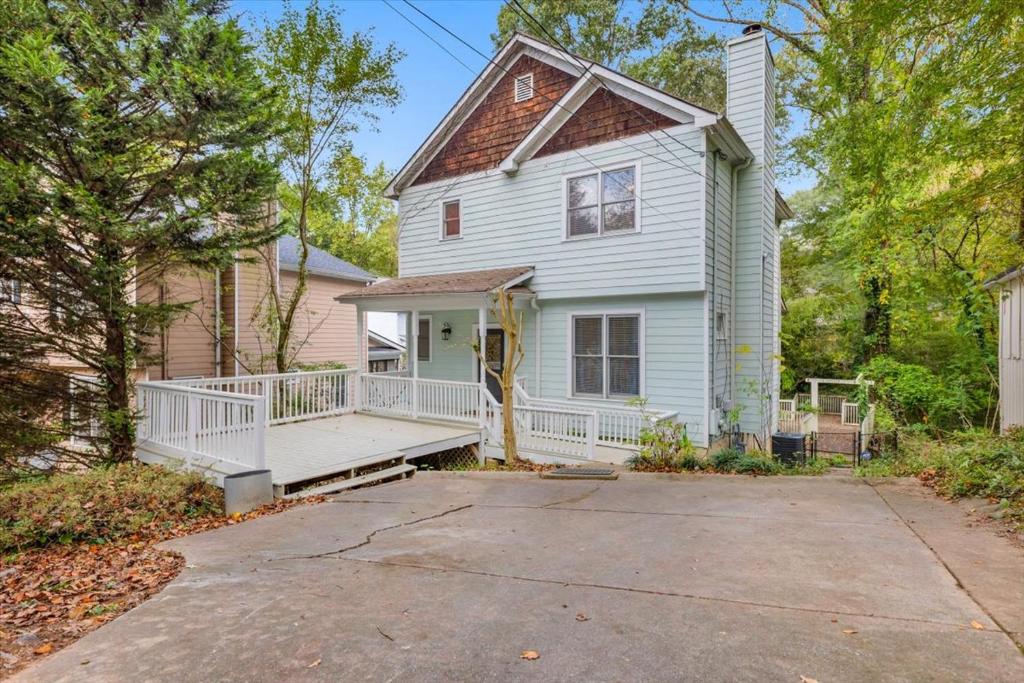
(524, 87)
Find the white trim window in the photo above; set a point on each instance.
(10, 290)
(602, 203)
(423, 339)
(451, 219)
(607, 355)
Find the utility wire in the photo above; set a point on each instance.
(418, 209)
(586, 70)
(529, 17)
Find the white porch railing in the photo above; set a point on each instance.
(196, 423)
(851, 413)
(432, 399)
(617, 426)
(543, 429)
(795, 421)
(288, 396)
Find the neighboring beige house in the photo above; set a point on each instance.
(238, 343)
(226, 330)
(1010, 287)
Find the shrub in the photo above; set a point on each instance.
(915, 394)
(729, 460)
(101, 504)
(969, 463)
(664, 445)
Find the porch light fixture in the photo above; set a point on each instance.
(446, 331)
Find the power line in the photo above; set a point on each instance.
(424, 204)
(637, 108)
(586, 69)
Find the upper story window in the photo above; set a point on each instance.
(451, 220)
(10, 291)
(602, 203)
(523, 87)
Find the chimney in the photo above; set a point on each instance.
(750, 108)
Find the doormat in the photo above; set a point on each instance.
(580, 473)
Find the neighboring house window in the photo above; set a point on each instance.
(601, 203)
(10, 291)
(423, 340)
(606, 355)
(524, 87)
(451, 220)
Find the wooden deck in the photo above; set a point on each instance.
(315, 449)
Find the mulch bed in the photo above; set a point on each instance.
(51, 597)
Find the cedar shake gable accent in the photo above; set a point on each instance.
(498, 123)
(604, 117)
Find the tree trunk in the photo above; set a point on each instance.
(877, 319)
(119, 358)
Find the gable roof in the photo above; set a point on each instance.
(319, 262)
(594, 76)
(1005, 276)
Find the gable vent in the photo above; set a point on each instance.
(524, 87)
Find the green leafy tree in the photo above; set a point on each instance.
(332, 82)
(127, 131)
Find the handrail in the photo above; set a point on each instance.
(167, 386)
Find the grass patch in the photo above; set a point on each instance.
(101, 505)
(972, 463)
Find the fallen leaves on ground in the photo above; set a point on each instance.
(530, 655)
(582, 617)
(977, 625)
(849, 631)
(52, 596)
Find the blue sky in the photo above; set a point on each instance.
(432, 81)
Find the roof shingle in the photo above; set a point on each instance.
(465, 282)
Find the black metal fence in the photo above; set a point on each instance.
(853, 444)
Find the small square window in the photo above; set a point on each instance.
(451, 220)
(523, 87)
(601, 203)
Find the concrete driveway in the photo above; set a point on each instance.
(453, 576)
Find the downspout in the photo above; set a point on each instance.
(218, 362)
(537, 343)
(732, 275)
(234, 351)
(714, 289)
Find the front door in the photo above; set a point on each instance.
(494, 354)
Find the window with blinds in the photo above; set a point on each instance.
(423, 340)
(606, 355)
(601, 203)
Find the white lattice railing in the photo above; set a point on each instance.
(432, 399)
(194, 423)
(288, 396)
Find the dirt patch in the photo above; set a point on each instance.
(52, 596)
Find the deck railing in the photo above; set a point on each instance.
(851, 413)
(617, 426)
(195, 423)
(543, 429)
(431, 399)
(288, 396)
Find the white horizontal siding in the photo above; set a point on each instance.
(518, 220)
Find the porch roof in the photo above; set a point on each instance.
(463, 282)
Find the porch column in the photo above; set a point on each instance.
(360, 345)
(414, 343)
(482, 341)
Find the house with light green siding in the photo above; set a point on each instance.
(637, 233)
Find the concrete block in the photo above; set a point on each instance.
(247, 491)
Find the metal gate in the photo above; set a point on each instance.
(853, 444)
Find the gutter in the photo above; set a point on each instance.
(218, 361)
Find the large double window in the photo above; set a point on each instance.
(606, 350)
(601, 203)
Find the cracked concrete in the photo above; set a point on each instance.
(450, 577)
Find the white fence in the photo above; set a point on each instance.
(289, 396)
(419, 398)
(851, 413)
(541, 429)
(198, 423)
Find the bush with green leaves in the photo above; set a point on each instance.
(664, 445)
(101, 504)
(730, 460)
(969, 463)
(915, 394)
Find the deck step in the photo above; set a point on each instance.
(342, 484)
